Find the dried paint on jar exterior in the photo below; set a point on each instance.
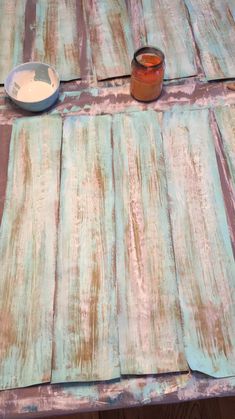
(147, 72)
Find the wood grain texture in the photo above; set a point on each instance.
(149, 315)
(27, 252)
(135, 12)
(86, 341)
(167, 28)
(204, 260)
(12, 14)
(57, 40)
(225, 118)
(214, 31)
(5, 135)
(111, 38)
(224, 127)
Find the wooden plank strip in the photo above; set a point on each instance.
(168, 28)
(149, 314)
(214, 31)
(226, 165)
(111, 38)
(12, 14)
(57, 40)
(225, 118)
(5, 135)
(86, 341)
(135, 11)
(204, 259)
(27, 252)
(30, 27)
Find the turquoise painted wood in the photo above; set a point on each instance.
(57, 40)
(204, 260)
(85, 331)
(150, 338)
(111, 38)
(167, 28)
(28, 252)
(11, 35)
(225, 118)
(214, 30)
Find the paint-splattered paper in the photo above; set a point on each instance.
(28, 252)
(150, 335)
(85, 334)
(203, 253)
(214, 30)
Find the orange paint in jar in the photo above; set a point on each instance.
(147, 72)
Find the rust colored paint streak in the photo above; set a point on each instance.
(29, 35)
(135, 11)
(225, 178)
(5, 135)
(51, 30)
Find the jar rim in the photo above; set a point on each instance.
(149, 49)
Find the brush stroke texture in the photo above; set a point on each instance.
(27, 252)
(167, 28)
(86, 341)
(214, 30)
(204, 260)
(57, 39)
(225, 118)
(111, 38)
(12, 14)
(150, 339)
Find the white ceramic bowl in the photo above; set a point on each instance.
(33, 86)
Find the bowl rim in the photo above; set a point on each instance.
(22, 65)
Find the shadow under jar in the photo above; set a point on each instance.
(147, 72)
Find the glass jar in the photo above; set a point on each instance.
(147, 72)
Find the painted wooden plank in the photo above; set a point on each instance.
(27, 252)
(57, 40)
(135, 11)
(214, 30)
(149, 315)
(204, 260)
(111, 38)
(168, 28)
(11, 35)
(86, 341)
(5, 136)
(225, 118)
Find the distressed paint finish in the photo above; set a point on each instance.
(27, 252)
(111, 38)
(214, 31)
(135, 11)
(150, 339)
(11, 35)
(77, 99)
(204, 260)
(85, 336)
(57, 36)
(225, 118)
(223, 123)
(5, 135)
(168, 28)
